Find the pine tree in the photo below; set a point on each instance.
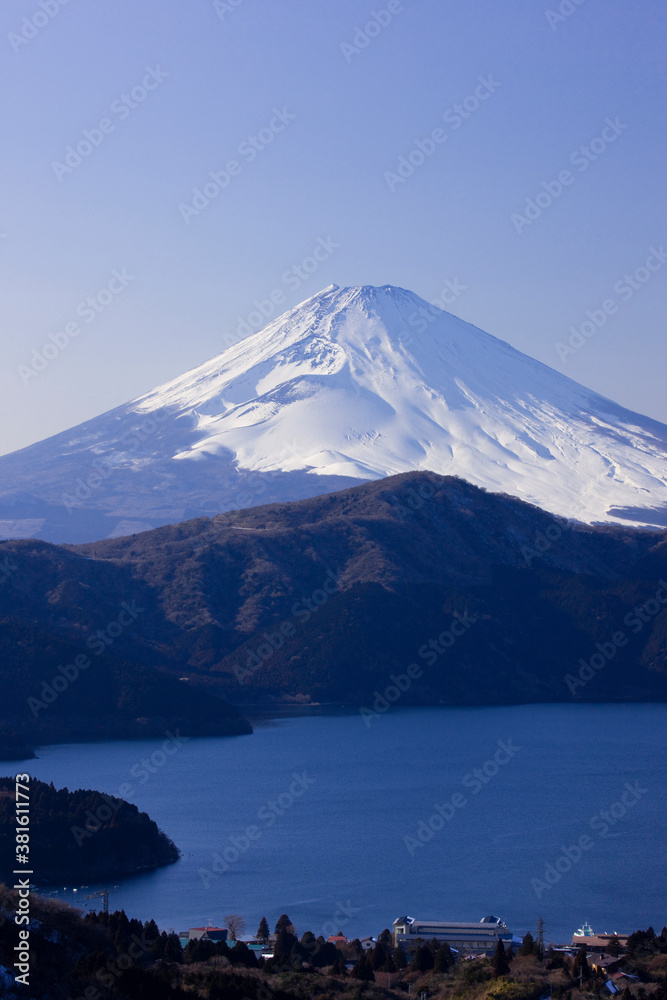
(151, 930)
(378, 957)
(614, 946)
(283, 946)
(198, 950)
(500, 966)
(385, 939)
(362, 970)
(339, 968)
(167, 947)
(173, 949)
(296, 956)
(241, 954)
(444, 959)
(312, 950)
(398, 955)
(423, 959)
(389, 965)
(328, 952)
(284, 923)
(527, 945)
(554, 959)
(263, 931)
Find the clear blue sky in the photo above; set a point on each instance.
(554, 83)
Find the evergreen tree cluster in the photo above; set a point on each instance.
(428, 956)
(643, 944)
(109, 956)
(433, 956)
(81, 835)
(291, 953)
(200, 950)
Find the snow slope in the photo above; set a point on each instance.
(355, 384)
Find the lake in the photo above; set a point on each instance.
(443, 813)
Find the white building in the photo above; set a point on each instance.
(467, 938)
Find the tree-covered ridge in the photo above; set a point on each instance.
(54, 688)
(81, 835)
(493, 600)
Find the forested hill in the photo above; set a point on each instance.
(79, 836)
(324, 599)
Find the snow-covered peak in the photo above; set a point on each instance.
(359, 383)
(370, 381)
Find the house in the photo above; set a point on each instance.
(368, 943)
(624, 978)
(207, 934)
(337, 939)
(605, 964)
(466, 937)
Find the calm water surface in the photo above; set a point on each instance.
(329, 803)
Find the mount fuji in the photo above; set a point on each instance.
(353, 384)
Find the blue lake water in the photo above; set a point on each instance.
(328, 846)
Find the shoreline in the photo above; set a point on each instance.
(262, 714)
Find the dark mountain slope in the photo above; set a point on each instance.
(325, 598)
(81, 647)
